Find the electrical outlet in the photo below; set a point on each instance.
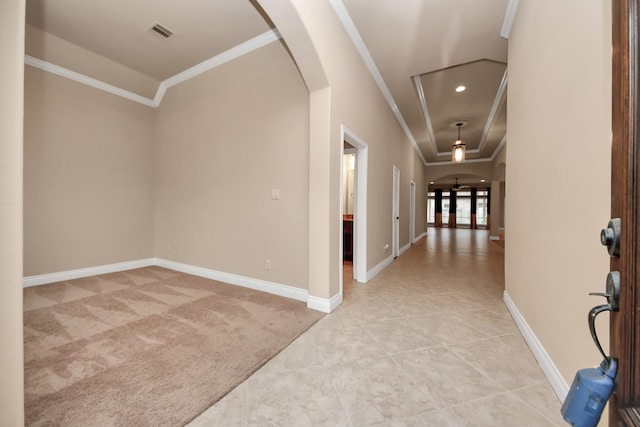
(275, 194)
(386, 247)
(267, 264)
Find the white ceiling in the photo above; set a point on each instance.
(417, 45)
(118, 29)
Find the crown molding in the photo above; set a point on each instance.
(425, 112)
(89, 81)
(509, 17)
(226, 56)
(499, 148)
(497, 103)
(356, 39)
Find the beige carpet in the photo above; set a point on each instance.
(146, 347)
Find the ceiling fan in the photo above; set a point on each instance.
(458, 187)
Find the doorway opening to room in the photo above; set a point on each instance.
(353, 206)
(348, 207)
(395, 220)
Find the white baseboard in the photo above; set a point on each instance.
(315, 303)
(43, 279)
(404, 248)
(559, 385)
(378, 268)
(417, 239)
(234, 279)
(324, 305)
(494, 237)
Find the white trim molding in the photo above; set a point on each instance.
(43, 279)
(497, 103)
(315, 303)
(378, 268)
(224, 57)
(324, 305)
(404, 249)
(494, 237)
(235, 279)
(559, 385)
(424, 234)
(509, 17)
(425, 112)
(358, 43)
(89, 81)
(360, 214)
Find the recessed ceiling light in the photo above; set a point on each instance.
(461, 88)
(482, 180)
(432, 182)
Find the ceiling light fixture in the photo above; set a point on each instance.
(458, 147)
(461, 88)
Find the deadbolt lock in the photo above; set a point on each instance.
(610, 237)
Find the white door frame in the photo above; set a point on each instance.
(395, 211)
(360, 206)
(412, 212)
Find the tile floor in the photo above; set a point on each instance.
(428, 342)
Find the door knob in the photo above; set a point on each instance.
(610, 237)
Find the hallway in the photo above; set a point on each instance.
(428, 342)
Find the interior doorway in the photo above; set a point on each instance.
(348, 203)
(354, 151)
(395, 239)
(412, 212)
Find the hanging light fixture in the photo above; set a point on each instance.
(458, 147)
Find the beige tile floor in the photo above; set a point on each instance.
(428, 342)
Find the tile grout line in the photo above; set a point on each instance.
(245, 409)
(333, 385)
(530, 406)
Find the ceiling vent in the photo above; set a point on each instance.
(161, 30)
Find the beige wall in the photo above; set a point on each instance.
(88, 176)
(358, 104)
(293, 144)
(224, 140)
(558, 172)
(342, 92)
(11, 101)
